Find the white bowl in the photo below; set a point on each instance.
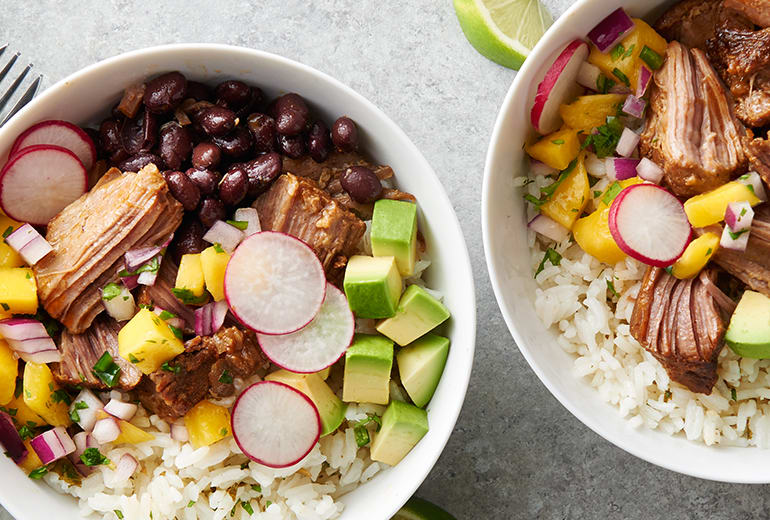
(505, 243)
(86, 97)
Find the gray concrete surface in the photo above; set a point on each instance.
(515, 453)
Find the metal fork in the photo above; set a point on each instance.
(6, 96)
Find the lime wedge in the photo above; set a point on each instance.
(503, 30)
(419, 509)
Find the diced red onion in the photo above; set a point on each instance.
(176, 321)
(611, 30)
(10, 438)
(83, 441)
(136, 257)
(29, 244)
(548, 227)
(179, 433)
(540, 169)
(619, 88)
(225, 235)
(53, 445)
(649, 171)
(148, 277)
(210, 317)
(129, 281)
(121, 307)
(88, 416)
(121, 410)
(594, 166)
(755, 181)
(251, 216)
(30, 340)
(588, 75)
(125, 467)
(738, 243)
(738, 216)
(634, 106)
(620, 169)
(627, 143)
(22, 328)
(106, 430)
(643, 81)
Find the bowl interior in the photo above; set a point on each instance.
(86, 96)
(507, 253)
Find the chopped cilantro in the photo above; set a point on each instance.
(558, 141)
(362, 435)
(743, 211)
(751, 188)
(133, 359)
(617, 52)
(187, 297)
(10, 411)
(151, 266)
(28, 276)
(611, 288)
(168, 368)
(107, 370)
(611, 192)
(247, 507)
(629, 51)
(268, 504)
(7, 231)
(735, 235)
(709, 251)
(75, 416)
(551, 255)
(651, 58)
(734, 394)
(165, 315)
(218, 247)
(5, 306)
(606, 138)
(621, 76)
(191, 503)
(93, 457)
(226, 377)
(25, 432)
(533, 200)
(240, 224)
(669, 269)
(667, 396)
(118, 513)
(81, 405)
(257, 488)
(223, 432)
(38, 473)
(597, 193)
(604, 84)
(61, 396)
(110, 291)
(177, 331)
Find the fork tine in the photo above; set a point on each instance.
(13, 87)
(24, 99)
(2, 49)
(8, 66)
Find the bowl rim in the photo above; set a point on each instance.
(517, 93)
(460, 261)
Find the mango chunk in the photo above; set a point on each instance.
(8, 257)
(214, 264)
(709, 208)
(589, 112)
(207, 423)
(44, 396)
(570, 197)
(31, 461)
(190, 275)
(9, 370)
(22, 414)
(556, 150)
(148, 342)
(18, 290)
(696, 256)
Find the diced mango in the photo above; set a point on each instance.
(696, 256)
(556, 150)
(130, 434)
(18, 290)
(41, 394)
(628, 61)
(214, 264)
(207, 423)
(589, 112)
(592, 233)
(570, 197)
(31, 461)
(147, 342)
(709, 208)
(22, 414)
(8, 257)
(190, 274)
(9, 370)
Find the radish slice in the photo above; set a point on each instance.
(53, 445)
(40, 181)
(739, 216)
(611, 30)
(557, 87)
(58, 133)
(649, 224)
(627, 142)
(29, 244)
(588, 76)
(274, 283)
(318, 345)
(621, 169)
(274, 424)
(649, 171)
(548, 227)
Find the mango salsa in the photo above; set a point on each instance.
(207, 423)
(22, 414)
(190, 275)
(571, 195)
(556, 150)
(31, 461)
(148, 342)
(129, 434)
(622, 64)
(709, 208)
(589, 112)
(696, 256)
(18, 290)
(214, 264)
(8, 257)
(9, 370)
(44, 396)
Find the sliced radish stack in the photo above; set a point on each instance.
(649, 224)
(318, 345)
(58, 133)
(274, 424)
(40, 181)
(274, 283)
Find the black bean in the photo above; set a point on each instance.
(290, 113)
(165, 92)
(345, 134)
(183, 189)
(109, 136)
(198, 91)
(362, 184)
(174, 145)
(261, 172)
(139, 134)
(319, 142)
(136, 162)
(233, 187)
(216, 121)
(292, 146)
(206, 180)
(235, 144)
(206, 155)
(210, 211)
(188, 239)
(262, 129)
(233, 94)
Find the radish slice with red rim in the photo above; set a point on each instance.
(649, 223)
(274, 424)
(318, 345)
(40, 181)
(274, 283)
(58, 133)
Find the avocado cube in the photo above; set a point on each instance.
(372, 286)
(367, 370)
(749, 331)
(403, 425)
(394, 233)
(420, 365)
(330, 407)
(147, 342)
(418, 312)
